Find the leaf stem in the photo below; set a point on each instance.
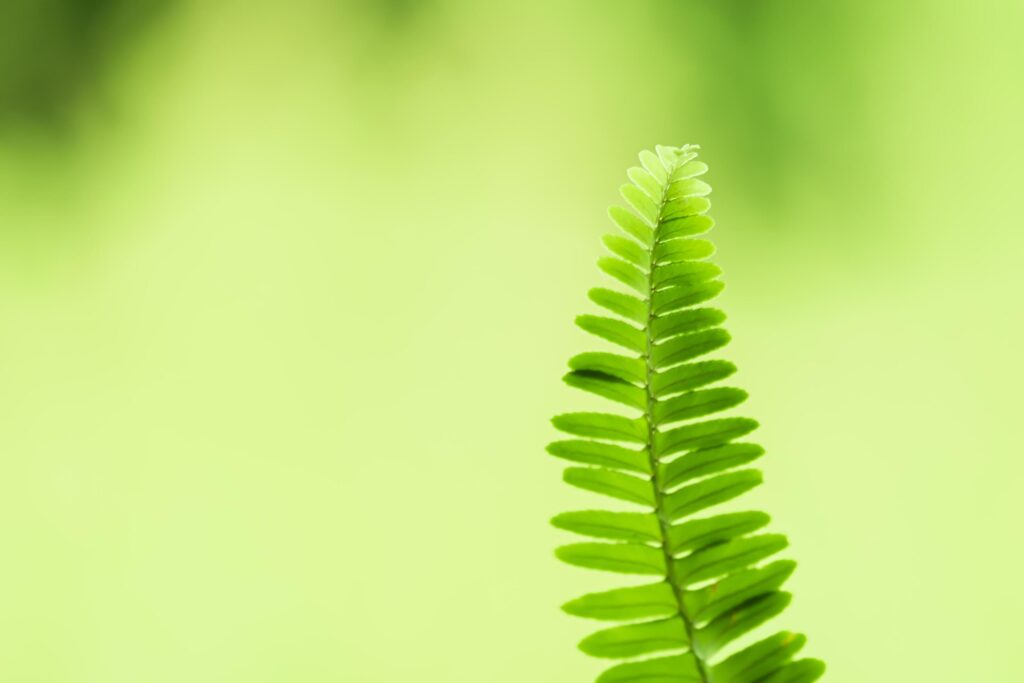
(664, 523)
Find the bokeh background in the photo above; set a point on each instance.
(286, 290)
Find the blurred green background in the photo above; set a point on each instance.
(286, 290)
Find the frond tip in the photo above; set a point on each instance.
(716, 582)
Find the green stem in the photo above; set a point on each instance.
(663, 523)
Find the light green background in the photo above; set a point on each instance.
(282, 318)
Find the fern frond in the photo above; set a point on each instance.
(716, 581)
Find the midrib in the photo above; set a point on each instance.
(663, 523)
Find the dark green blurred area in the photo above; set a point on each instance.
(53, 52)
(758, 69)
(778, 83)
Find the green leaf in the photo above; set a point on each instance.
(759, 660)
(654, 166)
(685, 226)
(627, 369)
(674, 251)
(684, 273)
(687, 187)
(707, 461)
(646, 182)
(802, 671)
(631, 224)
(628, 249)
(683, 296)
(718, 598)
(617, 526)
(702, 533)
(703, 434)
(603, 454)
(686, 347)
(627, 274)
(708, 492)
(674, 669)
(627, 306)
(719, 560)
(623, 558)
(738, 621)
(684, 460)
(632, 640)
(641, 203)
(608, 386)
(611, 483)
(697, 404)
(685, 206)
(615, 331)
(685, 322)
(625, 604)
(690, 169)
(690, 376)
(602, 426)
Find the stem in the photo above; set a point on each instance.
(663, 523)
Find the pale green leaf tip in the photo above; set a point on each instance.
(669, 150)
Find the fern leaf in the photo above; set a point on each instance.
(673, 460)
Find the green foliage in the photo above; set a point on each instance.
(715, 583)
